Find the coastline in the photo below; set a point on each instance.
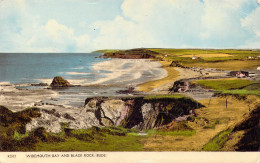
(157, 111)
(128, 72)
(122, 77)
(162, 86)
(19, 99)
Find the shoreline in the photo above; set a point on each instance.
(176, 73)
(200, 119)
(24, 95)
(127, 72)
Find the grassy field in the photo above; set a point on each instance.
(217, 55)
(221, 59)
(224, 84)
(231, 86)
(236, 54)
(167, 96)
(105, 143)
(235, 65)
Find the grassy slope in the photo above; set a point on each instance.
(224, 84)
(215, 112)
(105, 143)
(207, 131)
(231, 86)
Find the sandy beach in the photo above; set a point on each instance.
(123, 73)
(130, 72)
(162, 86)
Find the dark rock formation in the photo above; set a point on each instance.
(59, 82)
(40, 84)
(180, 86)
(130, 90)
(251, 139)
(139, 112)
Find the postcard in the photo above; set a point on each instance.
(130, 81)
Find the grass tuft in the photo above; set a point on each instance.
(218, 141)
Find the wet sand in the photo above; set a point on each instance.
(16, 99)
(122, 72)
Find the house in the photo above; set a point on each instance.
(239, 74)
(194, 57)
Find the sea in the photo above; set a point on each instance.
(93, 75)
(31, 67)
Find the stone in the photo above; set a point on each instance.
(106, 122)
(59, 82)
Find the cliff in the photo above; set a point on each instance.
(139, 112)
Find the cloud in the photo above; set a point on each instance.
(34, 37)
(177, 23)
(121, 33)
(27, 26)
(151, 24)
(57, 37)
(252, 24)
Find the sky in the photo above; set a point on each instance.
(88, 25)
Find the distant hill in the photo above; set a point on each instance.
(140, 53)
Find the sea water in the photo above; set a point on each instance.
(83, 69)
(31, 67)
(96, 76)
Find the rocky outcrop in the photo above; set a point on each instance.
(39, 84)
(59, 82)
(53, 120)
(180, 86)
(139, 112)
